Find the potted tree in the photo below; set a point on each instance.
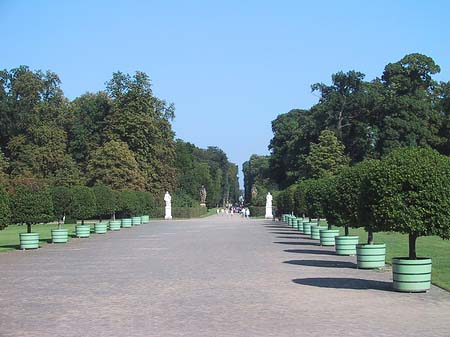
(106, 206)
(410, 193)
(83, 206)
(31, 204)
(346, 203)
(314, 204)
(129, 206)
(62, 199)
(325, 189)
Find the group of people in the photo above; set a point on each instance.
(229, 211)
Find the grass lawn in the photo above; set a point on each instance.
(9, 237)
(428, 246)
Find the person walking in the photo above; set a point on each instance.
(247, 213)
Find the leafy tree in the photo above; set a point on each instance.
(114, 165)
(83, 203)
(5, 208)
(31, 204)
(410, 193)
(142, 120)
(129, 203)
(316, 196)
(345, 200)
(62, 201)
(105, 200)
(408, 114)
(326, 158)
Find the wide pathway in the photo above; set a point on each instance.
(217, 276)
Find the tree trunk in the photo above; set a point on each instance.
(28, 228)
(82, 221)
(412, 246)
(329, 226)
(370, 237)
(346, 230)
(114, 216)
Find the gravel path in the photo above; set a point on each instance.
(217, 276)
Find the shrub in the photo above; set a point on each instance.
(62, 200)
(5, 208)
(409, 192)
(83, 203)
(31, 204)
(105, 201)
(129, 203)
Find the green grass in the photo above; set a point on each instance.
(9, 237)
(428, 246)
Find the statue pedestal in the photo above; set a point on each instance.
(269, 214)
(168, 213)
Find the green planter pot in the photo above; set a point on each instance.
(100, 227)
(371, 256)
(300, 225)
(327, 236)
(127, 223)
(136, 220)
(346, 245)
(114, 225)
(307, 228)
(83, 231)
(411, 275)
(315, 231)
(29, 240)
(145, 219)
(60, 235)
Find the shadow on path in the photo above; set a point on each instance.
(287, 233)
(344, 283)
(310, 251)
(294, 243)
(322, 263)
(289, 237)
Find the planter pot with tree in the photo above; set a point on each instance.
(62, 199)
(410, 192)
(316, 197)
(31, 204)
(106, 203)
(83, 207)
(101, 227)
(114, 225)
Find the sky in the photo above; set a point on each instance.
(230, 67)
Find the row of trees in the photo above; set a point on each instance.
(31, 202)
(408, 191)
(356, 120)
(121, 137)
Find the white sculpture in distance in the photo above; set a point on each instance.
(168, 200)
(269, 214)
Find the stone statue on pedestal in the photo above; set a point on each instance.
(203, 196)
(269, 214)
(168, 200)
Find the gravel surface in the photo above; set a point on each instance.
(216, 276)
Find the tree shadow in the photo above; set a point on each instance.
(287, 232)
(10, 246)
(295, 243)
(289, 237)
(276, 226)
(310, 251)
(345, 283)
(322, 263)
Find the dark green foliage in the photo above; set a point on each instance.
(129, 204)
(62, 200)
(105, 201)
(326, 158)
(409, 192)
(5, 208)
(316, 197)
(83, 204)
(31, 204)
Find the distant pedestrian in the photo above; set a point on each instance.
(247, 213)
(217, 211)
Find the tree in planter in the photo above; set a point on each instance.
(129, 204)
(83, 203)
(62, 201)
(347, 198)
(31, 204)
(315, 197)
(409, 192)
(105, 201)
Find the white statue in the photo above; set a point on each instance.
(168, 200)
(269, 214)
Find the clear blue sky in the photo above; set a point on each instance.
(230, 67)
